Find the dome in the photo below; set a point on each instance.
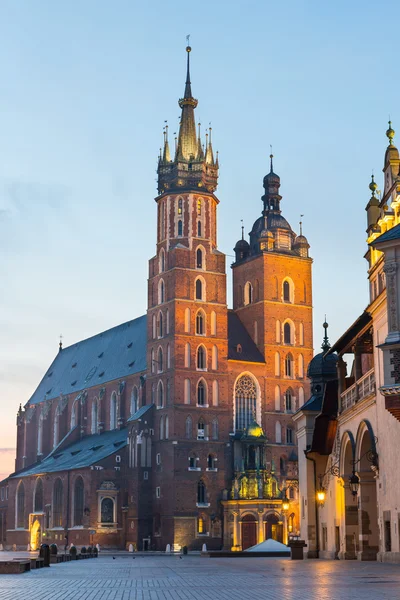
(274, 221)
(271, 179)
(301, 240)
(254, 430)
(323, 366)
(242, 245)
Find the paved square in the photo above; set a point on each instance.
(197, 578)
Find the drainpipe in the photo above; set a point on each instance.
(316, 505)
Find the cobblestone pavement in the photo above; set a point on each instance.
(198, 578)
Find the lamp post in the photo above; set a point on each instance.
(354, 482)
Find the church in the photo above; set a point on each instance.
(177, 427)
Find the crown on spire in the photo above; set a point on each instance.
(186, 170)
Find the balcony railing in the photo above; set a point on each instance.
(362, 388)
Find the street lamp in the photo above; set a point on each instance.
(354, 482)
(285, 504)
(321, 495)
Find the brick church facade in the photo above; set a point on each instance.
(176, 427)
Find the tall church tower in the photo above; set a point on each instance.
(272, 294)
(187, 340)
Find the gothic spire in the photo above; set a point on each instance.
(187, 139)
(209, 150)
(166, 154)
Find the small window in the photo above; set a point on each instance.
(158, 459)
(288, 401)
(200, 430)
(145, 475)
(211, 462)
(201, 394)
(248, 293)
(192, 462)
(198, 228)
(201, 528)
(158, 492)
(286, 291)
(289, 436)
(199, 258)
(201, 358)
(289, 366)
(200, 323)
(201, 493)
(287, 334)
(180, 228)
(199, 289)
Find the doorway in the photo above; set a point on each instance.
(35, 535)
(273, 528)
(249, 532)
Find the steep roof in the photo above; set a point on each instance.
(238, 335)
(388, 236)
(89, 450)
(112, 354)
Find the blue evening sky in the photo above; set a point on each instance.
(85, 87)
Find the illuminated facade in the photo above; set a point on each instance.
(176, 427)
(347, 440)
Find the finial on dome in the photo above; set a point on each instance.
(390, 133)
(373, 186)
(60, 345)
(325, 343)
(271, 156)
(241, 220)
(301, 225)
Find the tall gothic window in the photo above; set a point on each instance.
(160, 395)
(245, 402)
(78, 501)
(58, 503)
(38, 499)
(288, 401)
(180, 228)
(160, 360)
(113, 411)
(201, 493)
(201, 393)
(107, 510)
(286, 291)
(95, 416)
(198, 228)
(199, 206)
(200, 323)
(201, 358)
(199, 258)
(287, 333)
(189, 428)
(20, 505)
(289, 365)
(134, 400)
(160, 325)
(248, 293)
(180, 203)
(199, 289)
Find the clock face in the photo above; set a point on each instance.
(317, 389)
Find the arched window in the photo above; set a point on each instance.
(187, 320)
(168, 395)
(201, 493)
(214, 358)
(214, 429)
(278, 332)
(166, 428)
(161, 428)
(288, 401)
(248, 293)
(199, 258)
(160, 394)
(199, 206)
(180, 206)
(201, 393)
(213, 323)
(78, 502)
(58, 495)
(277, 398)
(162, 261)
(113, 411)
(200, 323)
(215, 392)
(74, 414)
(277, 365)
(288, 290)
(153, 394)
(134, 400)
(198, 228)
(188, 428)
(167, 321)
(201, 430)
(161, 292)
(168, 357)
(20, 506)
(201, 526)
(289, 436)
(153, 360)
(160, 325)
(38, 497)
(40, 435)
(192, 462)
(245, 402)
(160, 360)
(287, 334)
(201, 362)
(301, 397)
(180, 228)
(107, 510)
(187, 355)
(278, 433)
(154, 327)
(199, 289)
(187, 391)
(301, 365)
(289, 366)
(95, 416)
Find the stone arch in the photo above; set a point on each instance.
(347, 438)
(364, 427)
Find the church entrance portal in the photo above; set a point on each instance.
(273, 528)
(249, 532)
(35, 535)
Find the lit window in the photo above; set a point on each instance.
(199, 206)
(180, 203)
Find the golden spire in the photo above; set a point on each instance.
(209, 150)
(187, 140)
(166, 153)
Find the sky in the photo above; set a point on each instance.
(85, 88)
